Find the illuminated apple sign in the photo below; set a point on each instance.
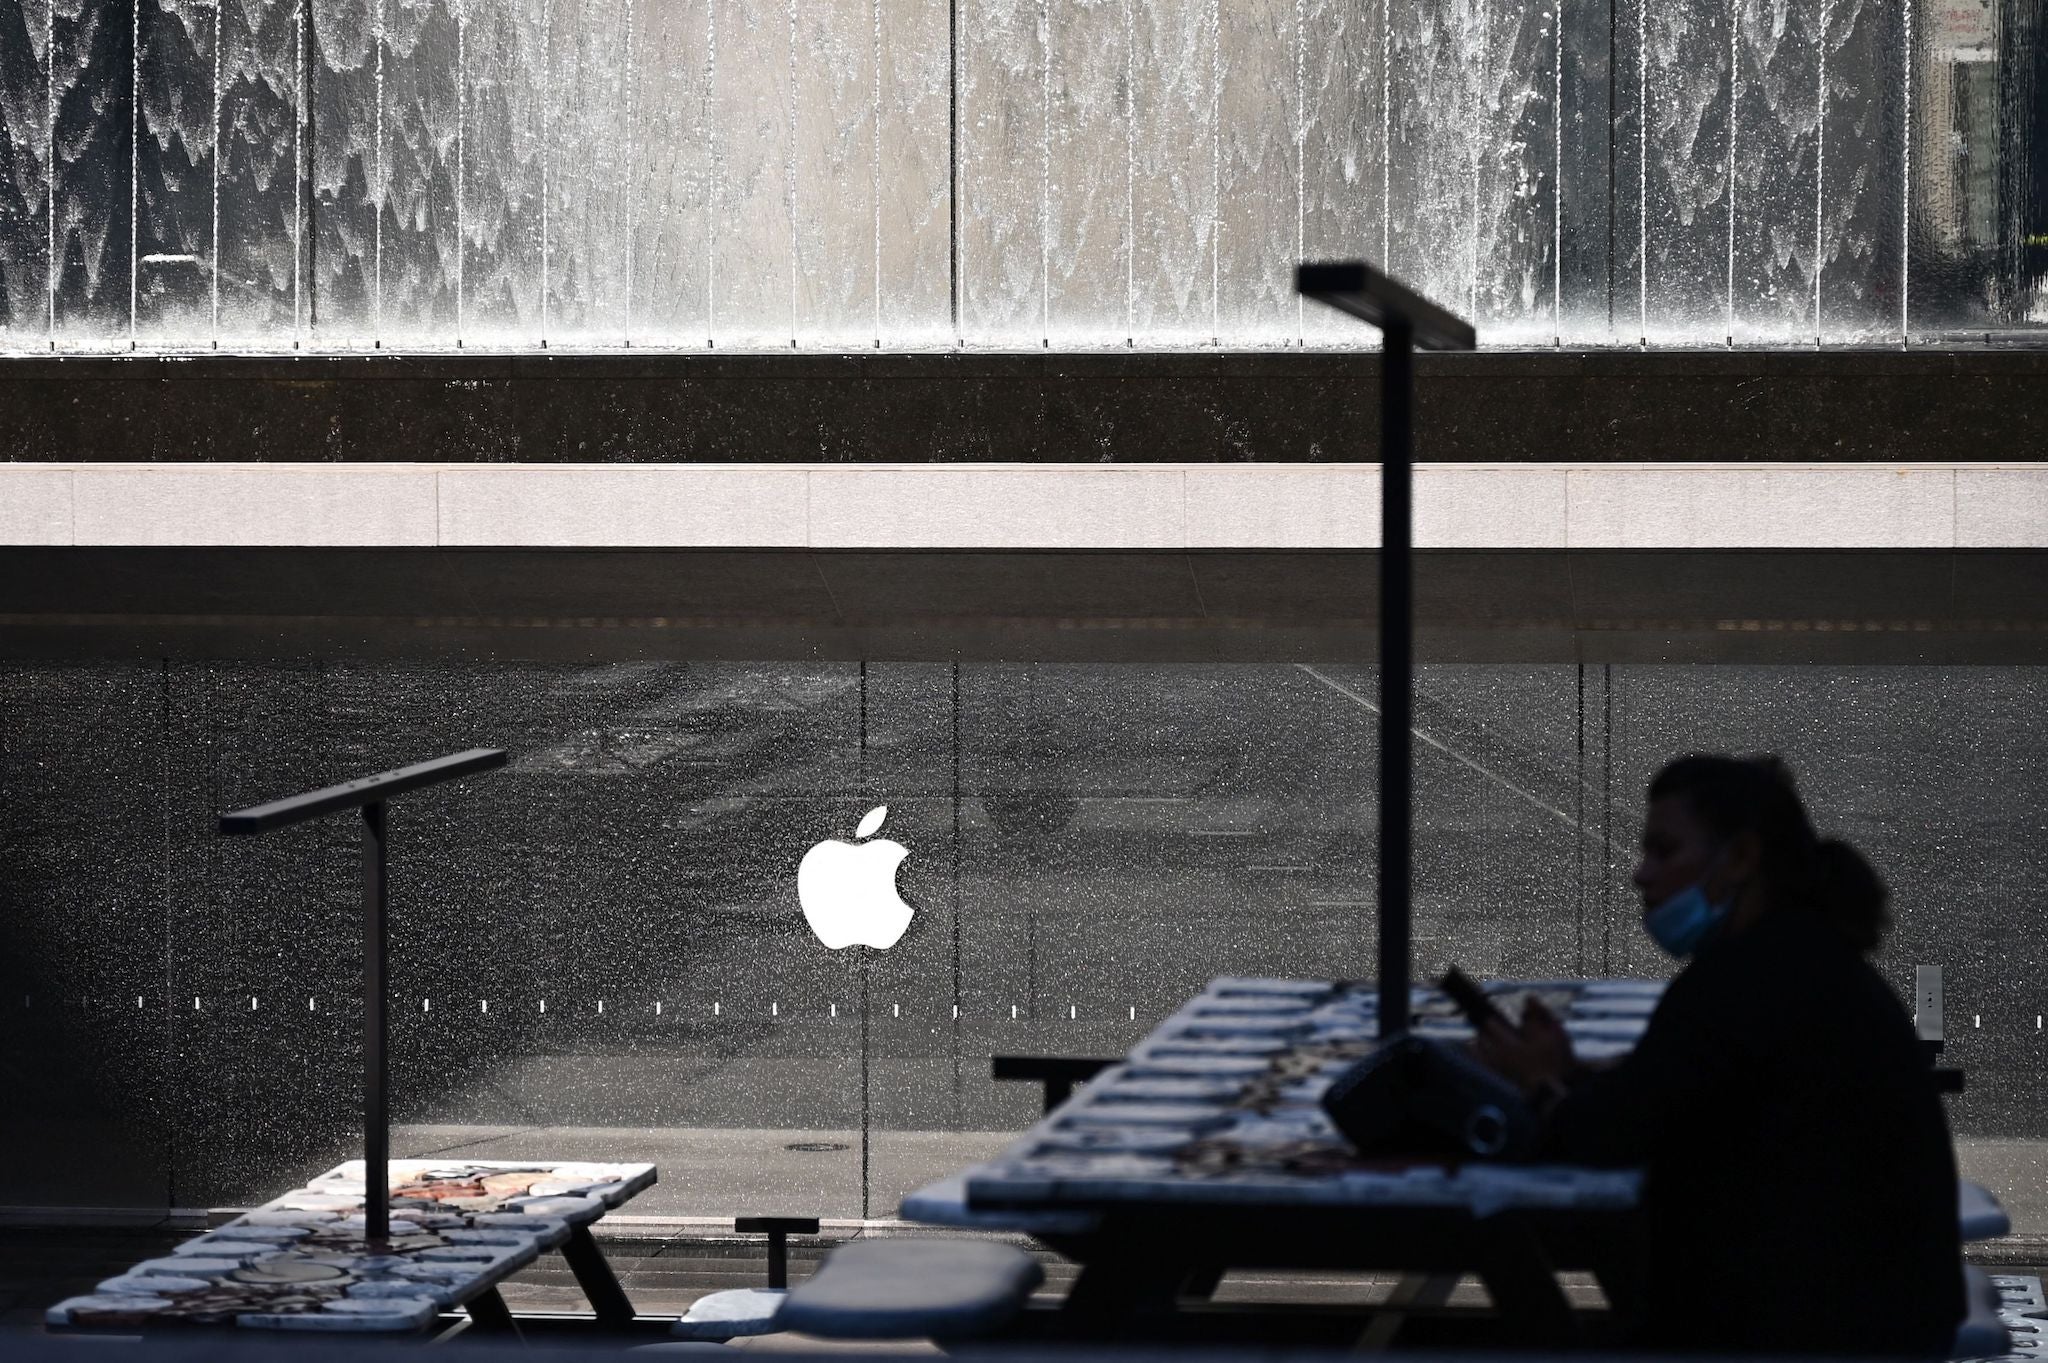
(848, 889)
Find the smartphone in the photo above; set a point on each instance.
(1471, 999)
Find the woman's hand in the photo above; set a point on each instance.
(1536, 1056)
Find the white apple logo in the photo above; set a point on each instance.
(848, 890)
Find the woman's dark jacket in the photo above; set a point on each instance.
(1801, 1188)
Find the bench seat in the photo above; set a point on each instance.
(912, 1289)
(719, 1316)
(1978, 1211)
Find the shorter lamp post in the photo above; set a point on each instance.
(1406, 320)
(369, 795)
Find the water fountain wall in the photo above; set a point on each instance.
(506, 103)
(254, 295)
(999, 263)
(345, 175)
(1858, 231)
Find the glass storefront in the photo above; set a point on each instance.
(600, 949)
(353, 175)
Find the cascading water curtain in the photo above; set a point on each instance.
(832, 175)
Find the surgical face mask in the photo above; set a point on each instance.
(1685, 920)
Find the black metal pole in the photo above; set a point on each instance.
(370, 795)
(1406, 320)
(1397, 649)
(376, 1105)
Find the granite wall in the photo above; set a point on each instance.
(1895, 405)
(603, 941)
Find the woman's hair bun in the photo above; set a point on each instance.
(1758, 795)
(1851, 892)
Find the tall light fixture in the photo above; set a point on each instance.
(1406, 321)
(369, 795)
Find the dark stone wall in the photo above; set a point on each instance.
(1118, 773)
(1089, 842)
(425, 605)
(1895, 406)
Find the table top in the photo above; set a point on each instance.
(1220, 1106)
(300, 1262)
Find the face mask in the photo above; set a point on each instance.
(1685, 920)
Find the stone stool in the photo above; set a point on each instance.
(912, 1289)
(719, 1316)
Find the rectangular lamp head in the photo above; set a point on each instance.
(356, 794)
(1357, 288)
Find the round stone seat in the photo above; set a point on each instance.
(911, 1289)
(719, 1316)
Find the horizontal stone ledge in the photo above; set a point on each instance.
(1833, 405)
(579, 605)
(1023, 506)
(2019, 354)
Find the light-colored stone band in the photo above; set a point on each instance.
(1024, 506)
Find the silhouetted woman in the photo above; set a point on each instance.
(1801, 1187)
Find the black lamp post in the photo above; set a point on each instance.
(369, 795)
(1406, 320)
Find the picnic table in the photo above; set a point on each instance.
(302, 1261)
(1206, 1149)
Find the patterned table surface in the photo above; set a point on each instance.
(300, 1261)
(1220, 1105)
